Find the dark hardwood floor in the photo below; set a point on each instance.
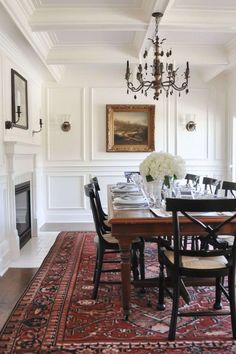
(12, 285)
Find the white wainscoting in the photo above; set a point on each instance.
(5, 249)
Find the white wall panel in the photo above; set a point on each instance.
(193, 145)
(1, 116)
(65, 192)
(220, 126)
(65, 104)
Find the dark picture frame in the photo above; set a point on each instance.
(130, 128)
(19, 100)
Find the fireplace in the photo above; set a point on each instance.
(23, 215)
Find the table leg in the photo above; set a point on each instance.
(125, 276)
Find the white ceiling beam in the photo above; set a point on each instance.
(88, 19)
(160, 6)
(75, 54)
(196, 55)
(199, 20)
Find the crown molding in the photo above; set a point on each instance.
(37, 41)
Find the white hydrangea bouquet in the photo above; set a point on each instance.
(161, 166)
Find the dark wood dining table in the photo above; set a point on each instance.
(126, 225)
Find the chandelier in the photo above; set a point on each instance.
(162, 75)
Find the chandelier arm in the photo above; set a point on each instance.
(142, 85)
(181, 88)
(148, 86)
(166, 85)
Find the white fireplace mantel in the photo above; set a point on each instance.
(21, 166)
(21, 148)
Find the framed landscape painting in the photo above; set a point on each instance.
(130, 128)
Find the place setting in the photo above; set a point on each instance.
(128, 196)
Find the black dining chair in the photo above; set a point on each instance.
(106, 244)
(102, 215)
(192, 180)
(128, 175)
(216, 262)
(229, 188)
(211, 185)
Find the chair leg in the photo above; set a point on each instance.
(134, 261)
(161, 293)
(174, 313)
(232, 299)
(100, 253)
(161, 298)
(96, 265)
(217, 304)
(184, 292)
(141, 261)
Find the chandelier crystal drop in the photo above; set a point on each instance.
(159, 76)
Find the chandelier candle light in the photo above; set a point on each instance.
(162, 76)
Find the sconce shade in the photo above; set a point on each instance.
(191, 126)
(66, 126)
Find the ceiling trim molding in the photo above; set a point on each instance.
(28, 8)
(11, 50)
(15, 10)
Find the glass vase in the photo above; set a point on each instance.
(153, 191)
(168, 187)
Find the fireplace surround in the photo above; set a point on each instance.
(23, 212)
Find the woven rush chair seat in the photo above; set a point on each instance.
(199, 262)
(109, 238)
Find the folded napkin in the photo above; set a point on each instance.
(125, 188)
(130, 200)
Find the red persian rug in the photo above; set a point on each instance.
(56, 313)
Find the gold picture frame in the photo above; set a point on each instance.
(130, 128)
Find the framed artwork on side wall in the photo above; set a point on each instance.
(130, 128)
(19, 100)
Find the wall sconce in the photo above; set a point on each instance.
(40, 127)
(65, 122)
(188, 121)
(66, 126)
(9, 124)
(191, 126)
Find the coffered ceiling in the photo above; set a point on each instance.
(65, 32)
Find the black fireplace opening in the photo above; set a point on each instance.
(23, 214)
